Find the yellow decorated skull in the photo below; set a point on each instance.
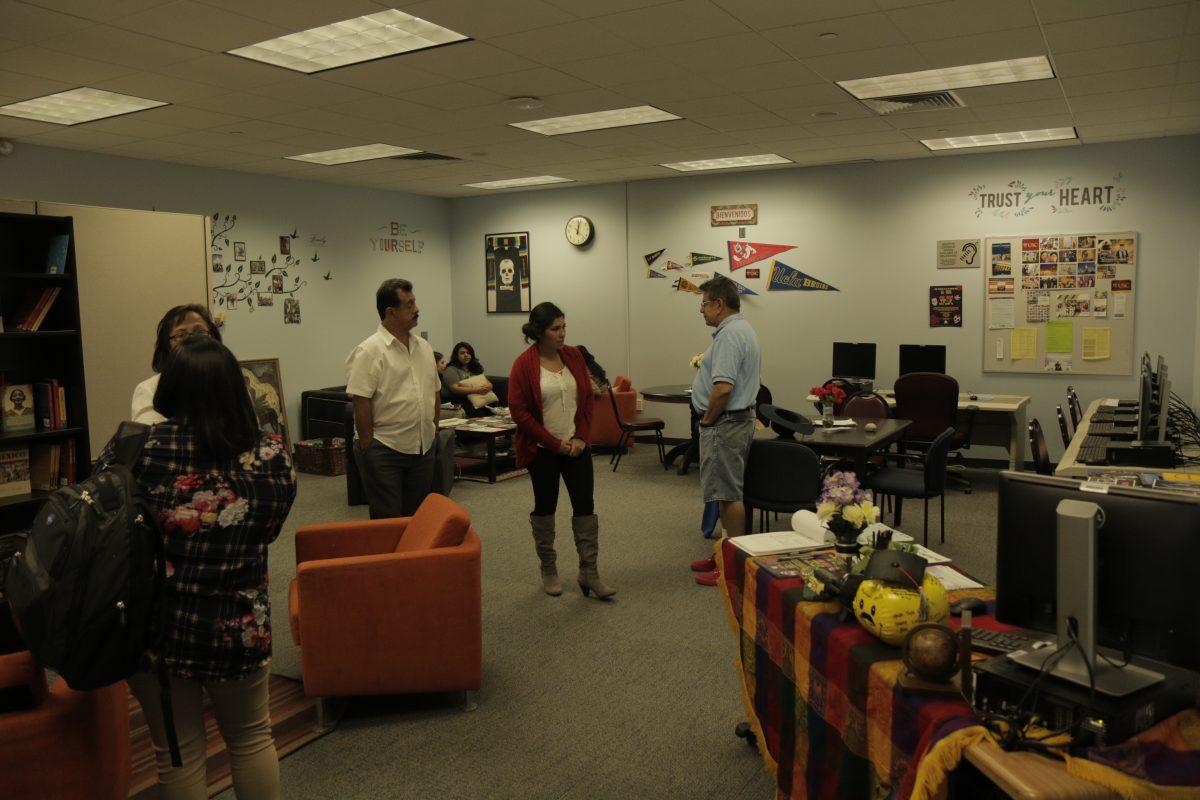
(890, 611)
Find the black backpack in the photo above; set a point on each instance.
(87, 585)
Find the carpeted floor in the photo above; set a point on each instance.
(581, 700)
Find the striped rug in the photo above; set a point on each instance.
(293, 721)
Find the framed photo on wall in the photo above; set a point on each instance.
(506, 272)
(265, 385)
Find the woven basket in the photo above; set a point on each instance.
(321, 456)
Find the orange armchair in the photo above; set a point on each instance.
(605, 427)
(390, 606)
(70, 745)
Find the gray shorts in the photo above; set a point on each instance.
(723, 451)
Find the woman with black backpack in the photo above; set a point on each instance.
(222, 490)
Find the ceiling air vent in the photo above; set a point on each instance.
(423, 156)
(922, 101)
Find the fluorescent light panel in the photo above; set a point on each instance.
(936, 80)
(597, 120)
(78, 105)
(348, 155)
(993, 139)
(510, 183)
(350, 41)
(728, 163)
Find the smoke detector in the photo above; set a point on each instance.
(523, 103)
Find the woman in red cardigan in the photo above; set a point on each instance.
(550, 397)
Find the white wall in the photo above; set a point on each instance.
(870, 231)
(335, 314)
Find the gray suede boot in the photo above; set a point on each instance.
(587, 543)
(543, 540)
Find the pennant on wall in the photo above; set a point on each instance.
(743, 289)
(652, 257)
(696, 259)
(682, 284)
(673, 265)
(785, 278)
(653, 273)
(743, 253)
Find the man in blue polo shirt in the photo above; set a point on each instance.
(723, 395)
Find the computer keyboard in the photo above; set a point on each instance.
(1110, 428)
(1092, 450)
(1001, 642)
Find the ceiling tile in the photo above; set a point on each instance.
(1050, 11)
(778, 133)
(1143, 78)
(265, 149)
(1188, 72)
(159, 87)
(152, 149)
(945, 116)
(117, 46)
(1116, 59)
(386, 109)
(727, 55)
(197, 25)
(100, 10)
(775, 75)
(614, 70)
(59, 66)
(1116, 30)
(1011, 93)
(25, 87)
(746, 121)
(962, 18)
(1129, 127)
(536, 82)
(683, 21)
(982, 47)
(259, 130)
(1184, 124)
(230, 72)
(450, 96)
(246, 105)
(208, 139)
(385, 76)
(711, 106)
(24, 22)
(186, 117)
(655, 92)
(869, 63)
(465, 60)
(316, 141)
(300, 15)
(1121, 101)
(214, 158)
(559, 43)
(798, 96)
(80, 138)
(990, 126)
(310, 92)
(1185, 91)
(764, 14)
(582, 102)
(14, 128)
(1106, 115)
(865, 32)
(1031, 108)
(840, 128)
(1183, 108)
(486, 20)
(675, 131)
(133, 125)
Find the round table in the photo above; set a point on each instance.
(688, 451)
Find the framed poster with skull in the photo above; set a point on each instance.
(506, 260)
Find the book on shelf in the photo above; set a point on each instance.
(14, 471)
(56, 256)
(37, 305)
(45, 466)
(18, 406)
(66, 466)
(61, 397)
(43, 404)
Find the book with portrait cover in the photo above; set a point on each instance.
(18, 405)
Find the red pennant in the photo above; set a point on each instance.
(743, 253)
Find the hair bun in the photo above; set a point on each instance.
(531, 332)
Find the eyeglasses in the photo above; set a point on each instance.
(179, 336)
(704, 303)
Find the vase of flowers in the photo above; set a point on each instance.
(845, 508)
(828, 397)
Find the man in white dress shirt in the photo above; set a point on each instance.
(392, 379)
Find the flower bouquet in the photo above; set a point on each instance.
(696, 359)
(845, 508)
(828, 397)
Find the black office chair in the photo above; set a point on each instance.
(782, 477)
(1039, 450)
(928, 483)
(1062, 426)
(1075, 407)
(629, 429)
(930, 400)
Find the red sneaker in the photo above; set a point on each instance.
(708, 578)
(704, 564)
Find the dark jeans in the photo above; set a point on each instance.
(395, 483)
(576, 473)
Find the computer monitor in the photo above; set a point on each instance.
(1147, 571)
(922, 358)
(854, 360)
(1145, 420)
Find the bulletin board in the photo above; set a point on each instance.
(1060, 303)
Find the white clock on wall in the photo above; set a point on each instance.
(579, 230)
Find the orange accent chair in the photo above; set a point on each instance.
(69, 744)
(606, 430)
(390, 606)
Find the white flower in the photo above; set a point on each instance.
(870, 512)
(233, 513)
(826, 510)
(853, 514)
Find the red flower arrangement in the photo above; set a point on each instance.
(828, 395)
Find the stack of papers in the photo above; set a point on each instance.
(452, 422)
(767, 544)
(952, 579)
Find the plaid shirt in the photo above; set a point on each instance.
(217, 518)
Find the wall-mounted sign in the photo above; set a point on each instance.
(957, 253)
(1064, 195)
(397, 238)
(945, 306)
(744, 214)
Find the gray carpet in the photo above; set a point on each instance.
(636, 698)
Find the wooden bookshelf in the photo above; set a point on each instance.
(54, 351)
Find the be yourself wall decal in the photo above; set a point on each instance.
(1064, 195)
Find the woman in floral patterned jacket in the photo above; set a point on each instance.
(223, 491)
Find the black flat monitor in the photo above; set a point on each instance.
(922, 358)
(1146, 419)
(854, 360)
(1147, 570)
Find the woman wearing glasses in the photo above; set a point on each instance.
(176, 325)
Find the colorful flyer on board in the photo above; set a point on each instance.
(945, 306)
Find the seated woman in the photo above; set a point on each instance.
(176, 325)
(596, 374)
(446, 395)
(463, 365)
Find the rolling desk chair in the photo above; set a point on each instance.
(1062, 426)
(930, 482)
(1075, 407)
(1039, 450)
(930, 400)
